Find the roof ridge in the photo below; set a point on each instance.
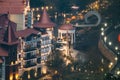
(44, 21)
(10, 37)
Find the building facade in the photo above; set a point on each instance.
(24, 50)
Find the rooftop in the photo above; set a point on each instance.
(10, 37)
(26, 32)
(45, 21)
(66, 27)
(12, 6)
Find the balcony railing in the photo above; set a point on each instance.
(29, 57)
(29, 64)
(26, 49)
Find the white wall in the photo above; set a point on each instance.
(19, 19)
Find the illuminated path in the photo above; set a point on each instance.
(110, 47)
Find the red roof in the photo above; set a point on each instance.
(26, 32)
(12, 6)
(3, 52)
(45, 21)
(10, 36)
(66, 27)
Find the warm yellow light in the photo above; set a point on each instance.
(116, 58)
(35, 74)
(21, 51)
(73, 17)
(29, 76)
(56, 72)
(47, 7)
(102, 69)
(118, 72)
(16, 76)
(38, 15)
(37, 9)
(21, 58)
(11, 77)
(111, 63)
(16, 62)
(12, 63)
(68, 62)
(33, 9)
(44, 70)
(42, 8)
(67, 22)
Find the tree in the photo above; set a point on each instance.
(109, 76)
(113, 11)
(56, 65)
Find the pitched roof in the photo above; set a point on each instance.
(45, 21)
(10, 36)
(66, 27)
(3, 52)
(12, 6)
(4, 20)
(26, 32)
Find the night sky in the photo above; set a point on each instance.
(65, 3)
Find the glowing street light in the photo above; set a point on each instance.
(116, 58)
(105, 24)
(116, 48)
(105, 38)
(118, 72)
(102, 33)
(102, 29)
(110, 43)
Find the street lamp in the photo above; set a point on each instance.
(105, 24)
(110, 43)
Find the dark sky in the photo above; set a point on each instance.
(38, 3)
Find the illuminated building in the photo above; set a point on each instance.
(26, 48)
(67, 29)
(9, 43)
(17, 11)
(45, 25)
